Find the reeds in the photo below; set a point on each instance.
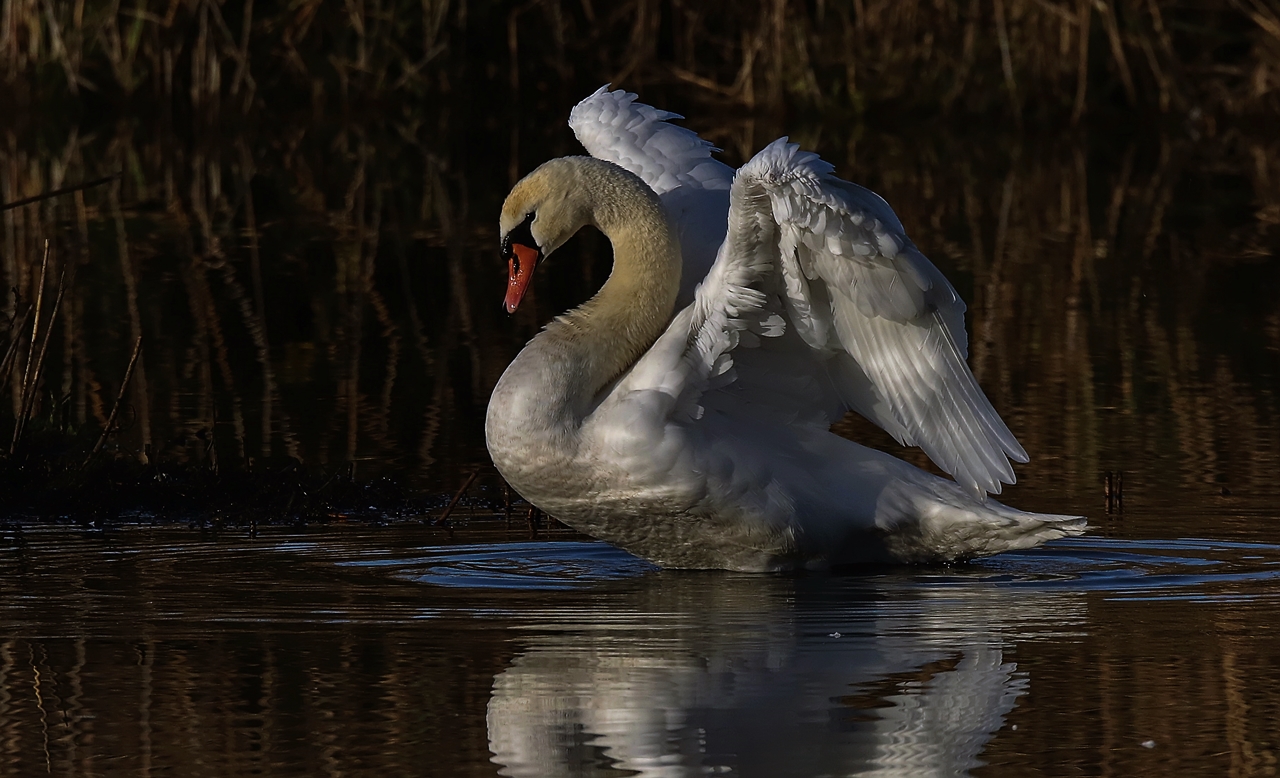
(1023, 60)
(36, 354)
(327, 296)
(319, 288)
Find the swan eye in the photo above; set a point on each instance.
(520, 235)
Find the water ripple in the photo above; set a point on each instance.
(1183, 568)
(529, 565)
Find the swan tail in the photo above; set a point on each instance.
(957, 530)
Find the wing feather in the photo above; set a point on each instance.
(612, 126)
(672, 160)
(814, 273)
(828, 262)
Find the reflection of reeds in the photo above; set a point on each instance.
(245, 698)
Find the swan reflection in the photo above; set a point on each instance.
(723, 674)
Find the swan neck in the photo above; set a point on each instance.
(616, 326)
(543, 398)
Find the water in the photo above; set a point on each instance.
(402, 651)
(327, 292)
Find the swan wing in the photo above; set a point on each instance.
(819, 301)
(614, 127)
(673, 160)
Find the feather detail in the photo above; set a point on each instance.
(803, 248)
(612, 126)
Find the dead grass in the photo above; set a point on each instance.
(319, 287)
(1021, 61)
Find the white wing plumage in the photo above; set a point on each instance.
(672, 160)
(817, 303)
(612, 126)
(820, 298)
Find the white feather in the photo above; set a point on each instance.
(893, 312)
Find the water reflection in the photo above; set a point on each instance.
(399, 650)
(720, 674)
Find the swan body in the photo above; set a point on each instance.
(684, 412)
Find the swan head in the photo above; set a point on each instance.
(542, 211)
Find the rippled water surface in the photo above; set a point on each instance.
(405, 651)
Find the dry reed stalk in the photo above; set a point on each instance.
(31, 349)
(1083, 14)
(242, 55)
(60, 51)
(135, 316)
(417, 330)
(29, 391)
(381, 420)
(765, 53)
(448, 510)
(62, 191)
(115, 407)
(1006, 61)
(200, 364)
(1108, 12)
(352, 288)
(258, 325)
(1163, 82)
(86, 390)
(221, 356)
(15, 337)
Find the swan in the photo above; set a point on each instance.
(698, 436)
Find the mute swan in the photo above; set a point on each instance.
(699, 437)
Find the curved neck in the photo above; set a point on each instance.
(554, 381)
(616, 326)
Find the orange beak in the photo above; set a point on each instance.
(521, 261)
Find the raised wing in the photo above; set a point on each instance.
(612, 126)
(673, 160)
(824, 267)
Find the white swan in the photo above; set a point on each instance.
(703, 440)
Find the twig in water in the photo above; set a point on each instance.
(454, 502)
(64, 190)
(115, 409)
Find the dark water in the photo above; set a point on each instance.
(401, 652)
(328, 290)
